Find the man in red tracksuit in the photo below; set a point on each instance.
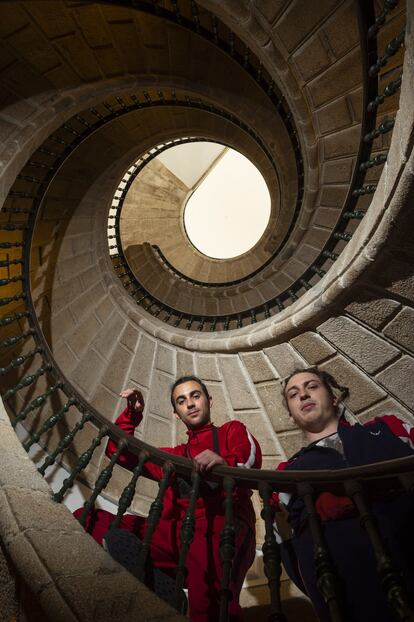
(207, 446)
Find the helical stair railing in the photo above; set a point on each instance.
(24, 331)
(371, 65)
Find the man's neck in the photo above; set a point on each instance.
(331, 428)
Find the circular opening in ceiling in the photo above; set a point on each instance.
(228, 208)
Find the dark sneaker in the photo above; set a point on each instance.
(124, 547)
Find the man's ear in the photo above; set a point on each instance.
(210, 401)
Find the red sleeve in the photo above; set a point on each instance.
(241, 448)
(127, 421)
(334, 507)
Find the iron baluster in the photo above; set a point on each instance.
(389, 5)
(12, 279)
(64, 443)
(326, 578)
(330, 255)
(5, 263)
(19, 360)
(367, 189)
(226, 323)
(227, 549)
(36, 403)
(14, 244)
(102, 481)
(186, 538)
(358, 214)
(390, 579)
(376, 161)
(9, 319)
(389, 90)
(128, 493)
(11, 341)
(271, 555)
(318, 271)
(386, 126)
(26, 382)
(81, 464)
(49, 424)
(9, 299)
(342, 235)
(11, 226)
(153, 518)
(305, 284)
(391, 49)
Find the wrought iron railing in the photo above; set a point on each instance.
(342, 232)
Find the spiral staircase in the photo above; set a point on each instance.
(100, 291)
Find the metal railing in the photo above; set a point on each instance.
(350, 216)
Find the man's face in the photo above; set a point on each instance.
(191, 404)
(310, 404)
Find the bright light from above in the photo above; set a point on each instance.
(229, 211)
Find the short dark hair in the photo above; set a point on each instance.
(329, 382)
(189, 379)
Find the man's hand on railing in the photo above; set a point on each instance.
(135, 400)
(206, 460)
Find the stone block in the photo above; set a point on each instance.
(272, 399)
(363, 391)
(87, 374)
(400, 329)
(165, 359)
(325, 87)
(104, 309)
(65, 358)
(311, 58)
(396, 379)
(221, 409)
(207, 367)
(185, 363)
(258, 424)
(338, 171)
(396, 276)
(158, 431)
(298, 21)
(360, 345)
(129, 337)
(141, 367)
(16, 468)
(239, 390)
(341, 143)
(387, 407)
(258, 367)
(312, 347)
(83, 335)
(372, 310)
(108, 335)
(117, 369)
(159, 396)
(105, 402)
(284, 358)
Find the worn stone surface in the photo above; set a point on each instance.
(387, 407)
(271, 397)
(165, 359)
(364, 391)
(141, 367)
(284, 359)
(367, 350)
(400, 329)
(207, 367)
(258, 367)
(394, 379)
(374, 311)
(239, 389)
(312, 347)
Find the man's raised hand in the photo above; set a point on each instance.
(134, 398)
